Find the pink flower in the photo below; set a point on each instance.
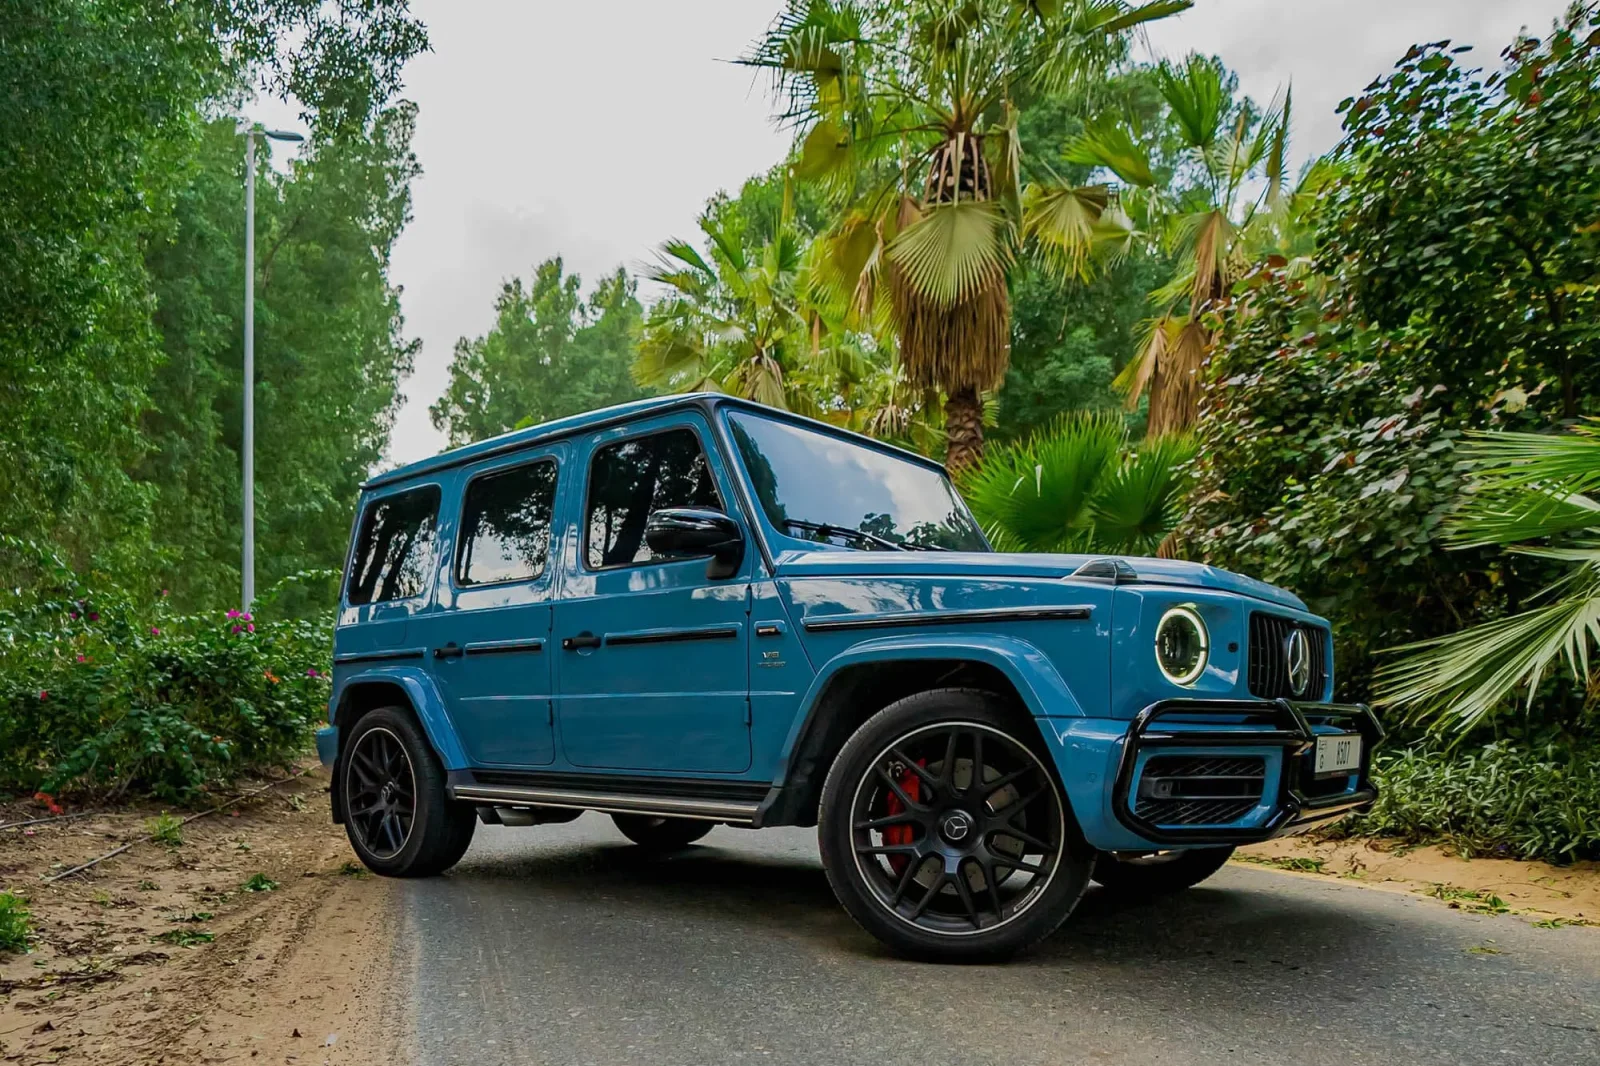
(312, 672)
(82, 658)
(251, 627)
(236, 629)
(155, 631)
(43, 695)
(72, 615)
(94, 617)
(233, 614)
(163, 592)
(245, 617)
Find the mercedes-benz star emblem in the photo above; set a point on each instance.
(956, 827)
(1297, 655)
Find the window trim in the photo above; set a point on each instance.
(431, 583)
(588, 484)
(456, 582)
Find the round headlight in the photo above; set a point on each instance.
(1182, 645)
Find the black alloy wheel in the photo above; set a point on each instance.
(951, 838)
(382, 792)
(392, 798)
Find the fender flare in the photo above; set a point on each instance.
(425, 702)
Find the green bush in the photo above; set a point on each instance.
(1524, 800)
(14, 928)
(105, 692)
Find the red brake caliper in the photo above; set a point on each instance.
(902, 834)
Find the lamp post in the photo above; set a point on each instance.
(248, 563)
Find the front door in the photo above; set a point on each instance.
(652, 671)
(492, 654)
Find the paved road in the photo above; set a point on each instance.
(563, 945)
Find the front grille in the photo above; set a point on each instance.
(1199, 789)
(1269, 658)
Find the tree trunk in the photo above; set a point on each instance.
(963, 427)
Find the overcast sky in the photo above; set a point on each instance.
(595, 131)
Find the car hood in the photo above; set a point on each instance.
(989, 565)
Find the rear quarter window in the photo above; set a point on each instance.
(395, 547)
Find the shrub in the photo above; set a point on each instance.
(14, 926)
(165, 829)
(103, 691)
(1529, 800)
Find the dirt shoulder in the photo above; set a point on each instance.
(253, 939)
(1541, 893)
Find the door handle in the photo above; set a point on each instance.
(582, 640)
(449, 651)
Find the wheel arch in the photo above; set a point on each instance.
(409, 689)
(865, 678)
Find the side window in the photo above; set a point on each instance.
(505, 525)
(630, 479)
(394, 547)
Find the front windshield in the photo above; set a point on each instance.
(815, 486)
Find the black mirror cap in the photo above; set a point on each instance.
(689, 531)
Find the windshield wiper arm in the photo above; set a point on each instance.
(859, 535)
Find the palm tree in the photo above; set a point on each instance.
(907, 115)
(1232, 207)
(1536, 495)
(1081, 487)
(732, 320)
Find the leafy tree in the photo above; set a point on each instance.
(908, 115)
(550, 353)
(1081, 486)
(1537, 495)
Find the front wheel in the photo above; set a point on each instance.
(1160, 873)
(395, 810)
(661, 834)
(945, 833)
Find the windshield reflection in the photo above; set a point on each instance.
(818, 487)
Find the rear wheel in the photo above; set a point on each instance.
(399, 818)
(1159, 873)
(945, 833)
(661, 834)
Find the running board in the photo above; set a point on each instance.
(708, 810)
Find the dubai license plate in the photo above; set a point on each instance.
(1339, 753)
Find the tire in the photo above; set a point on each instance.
(396, 812)
(918, 846)
(1160, 874)
(661, 834)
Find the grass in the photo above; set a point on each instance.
(1297, 863)
(1471, 900)
(353, 869)
(185, 938)
(147, 885)
(165, 829)
(260, 883)
(15, 928)
(193, 917)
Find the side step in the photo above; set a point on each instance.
(710, 810)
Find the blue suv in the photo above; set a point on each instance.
(696, 610)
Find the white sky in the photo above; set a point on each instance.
(596, 131)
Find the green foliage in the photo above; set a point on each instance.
(165, 829)
(260, 883)
(1535, 495)
(1080, 487)
(103, 692)
(550, 353)
(1524, 799)
(15, 929)
(184, 938)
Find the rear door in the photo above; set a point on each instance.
(653, 654)
(491, 653)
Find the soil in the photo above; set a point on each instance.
(1539, 892)
(163, 955)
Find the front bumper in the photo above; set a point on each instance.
(328, 744)
(1277, 735)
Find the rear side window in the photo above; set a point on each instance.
(505, 525)
(394, 548)
(630, 479)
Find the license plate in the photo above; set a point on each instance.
(1338, 753)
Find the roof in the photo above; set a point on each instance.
(608, 416)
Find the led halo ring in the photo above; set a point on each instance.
(1181, 615)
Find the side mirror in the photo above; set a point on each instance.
(685, 532)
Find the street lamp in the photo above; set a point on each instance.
(251, 132)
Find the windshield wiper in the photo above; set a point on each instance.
(860, 536)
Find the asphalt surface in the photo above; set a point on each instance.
(566, 945)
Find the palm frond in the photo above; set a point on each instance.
(954, 250)
(1042, 492)
(1139, 503)
(1197, 97)
(1106, 142)
(1064, 220)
